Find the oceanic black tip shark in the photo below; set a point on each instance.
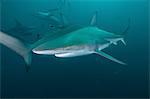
(68, 42)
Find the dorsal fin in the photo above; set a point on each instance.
(93, 21)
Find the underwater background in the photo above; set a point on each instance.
(90, 76)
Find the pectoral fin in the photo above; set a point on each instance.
(109, 57)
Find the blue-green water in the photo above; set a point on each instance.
(89, 76)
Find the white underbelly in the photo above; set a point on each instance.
(74, 53)
(71, 51)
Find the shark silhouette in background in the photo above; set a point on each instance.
(55, 17)
(21, 29)
(70, 41)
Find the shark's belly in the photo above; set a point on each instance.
(70, 51)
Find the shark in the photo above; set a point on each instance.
(55, 17)
(68, 42)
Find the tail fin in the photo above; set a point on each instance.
(123, 41)
(19, 47)
(123, 35)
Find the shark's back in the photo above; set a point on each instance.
(82, 36)
(57, 34)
